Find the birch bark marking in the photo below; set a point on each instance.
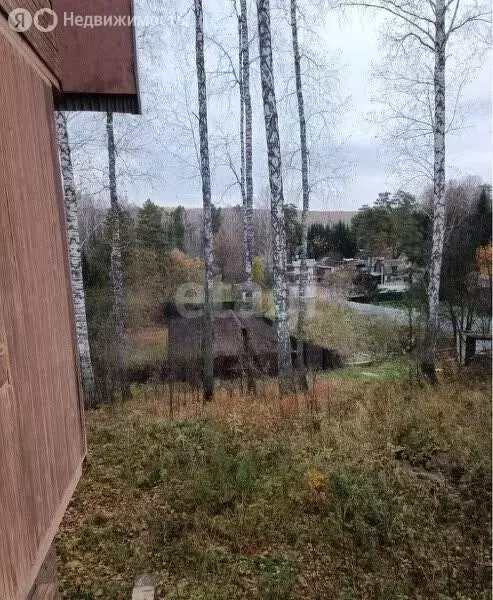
(276, 195)
(242, 156)
(116, 269)
(430, 342)
(72, 228)
(247, 103)
(208, 375)
(305, 189)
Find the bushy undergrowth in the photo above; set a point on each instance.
(147, 350)
(384, 493)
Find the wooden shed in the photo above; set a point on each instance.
(240, 342)
(42, 441)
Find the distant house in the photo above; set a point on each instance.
(325, 267)
(389, 275)
(293, 270)
(388, 270)
(293, 275)
(44, 65)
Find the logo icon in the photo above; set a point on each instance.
(51, 24)
(44, 20)
(20, 19)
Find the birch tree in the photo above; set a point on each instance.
(426, 26)
(75, 260)
(116, 270)
(208, 331)
(305, 188)
(242, 140)
(243, 176)
(247, 105)
(276, 197)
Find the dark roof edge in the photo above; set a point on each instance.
(117, 103)
(136, 64)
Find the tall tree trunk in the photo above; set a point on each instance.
(277, 198)
(430, 342)
(247, 101)
(72, 228)
(305, 190)
(116, 269)
(208, 375)
(242, 153)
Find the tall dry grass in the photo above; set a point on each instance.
(356, 490)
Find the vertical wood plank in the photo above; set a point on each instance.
(41, 426)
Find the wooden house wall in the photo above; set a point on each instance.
(41, 431)
(43, 43)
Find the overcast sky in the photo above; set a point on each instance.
(469, 151)
(352, 43)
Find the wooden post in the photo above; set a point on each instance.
(470, 348)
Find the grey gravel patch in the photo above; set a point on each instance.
(144, 587)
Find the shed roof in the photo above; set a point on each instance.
(88, 49)
(98, 63)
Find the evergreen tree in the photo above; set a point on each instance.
(150, 231)
(462, 287)
(216, 218)
(394, 225)
(372, 228)
(177, 226)
(343, 242)
(293, 230)
(319, 241)
(482, 217)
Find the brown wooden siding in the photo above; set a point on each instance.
(41, 434)
(98, 64)
(45, 586)
(44, 44)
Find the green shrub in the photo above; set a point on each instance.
(362, 507)
(277, 575)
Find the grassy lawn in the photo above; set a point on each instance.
(388, 370)
(148, 347)
(352, 334)
(400, 304)
(339, 327)
(403, 305)
(361, 490)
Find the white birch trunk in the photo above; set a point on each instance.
(305, 189)
(208, 334)
(72, 228)
(277, 199)
(247, 103)
(116, 269)
(242, 152)
(430, 341)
